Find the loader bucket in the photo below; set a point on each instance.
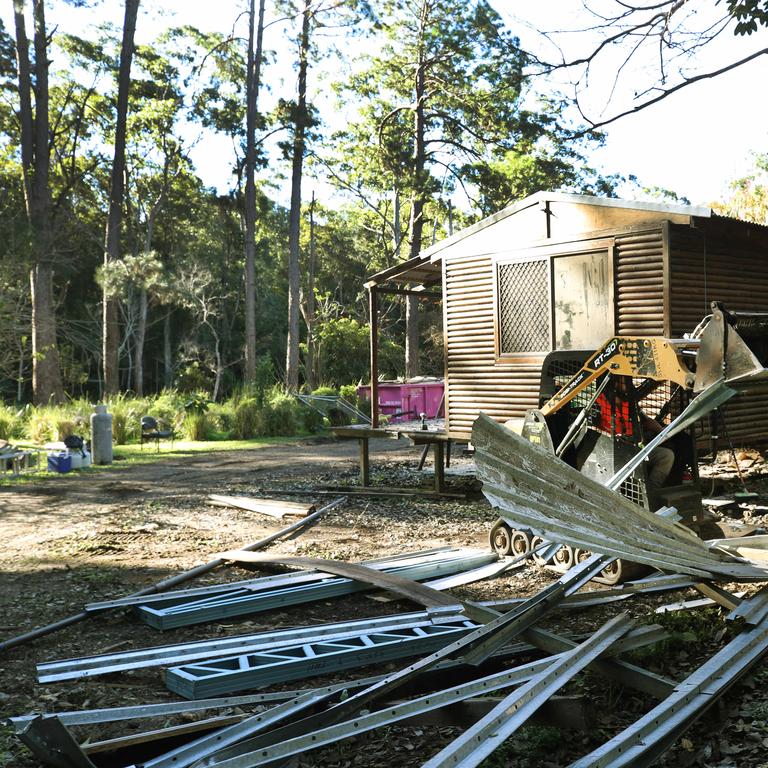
(734, 348)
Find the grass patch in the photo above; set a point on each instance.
(132, 455)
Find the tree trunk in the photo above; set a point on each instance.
(26, 116)
(416, 228)
(167, 357)
(141, 334)
(110, 330)
(35, 159)
(294, 224)
(46, 371)
(397, 237)
(309, 363)
(20, 381)
(253, 77)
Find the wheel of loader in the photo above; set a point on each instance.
(612, 574)
(521, 542)
(500, 538)
(564, 558)
(537, 541)
(580, 555)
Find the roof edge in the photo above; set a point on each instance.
(564, 197)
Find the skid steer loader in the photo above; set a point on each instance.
(676, 382)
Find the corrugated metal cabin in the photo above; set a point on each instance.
(565, 271)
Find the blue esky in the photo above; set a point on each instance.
(694, 142)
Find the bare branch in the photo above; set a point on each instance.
(594, 124)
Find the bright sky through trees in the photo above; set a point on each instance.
(693, 143)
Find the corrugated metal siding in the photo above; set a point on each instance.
(702, 272)
(640, 283)
(474, 381)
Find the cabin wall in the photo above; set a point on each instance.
(720, 262)
(475, 381)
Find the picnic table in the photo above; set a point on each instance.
(434, 435)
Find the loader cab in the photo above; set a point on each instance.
(604, 447)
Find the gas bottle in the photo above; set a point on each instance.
(101, 435)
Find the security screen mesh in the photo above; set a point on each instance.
(524, 316)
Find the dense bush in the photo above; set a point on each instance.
(245, 423)
(278, 417)
(313, 420)
(197, 426)
(190, 415)
(11, 425)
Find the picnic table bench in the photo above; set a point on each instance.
(435, 436)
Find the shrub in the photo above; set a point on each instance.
(197, 426)
(126, 417)
(312, 420)
(11, 424)
(278, 416)
(245, 421)
(64, 428)
(168, 408)
(40, 428)
(325, 392)
(349, 393)
(221, 417)
(265, 376)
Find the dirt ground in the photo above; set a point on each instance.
(105, 535)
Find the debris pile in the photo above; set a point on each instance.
(488, 664)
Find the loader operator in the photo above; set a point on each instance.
(616, 418)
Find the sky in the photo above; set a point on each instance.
(693, 143)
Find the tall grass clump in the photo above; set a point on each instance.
(126, 417)
(11, 423)
(197, 426)
(222, 420)
(279, 415)
(246, 419)
(40, 427)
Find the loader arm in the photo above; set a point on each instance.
(647, 357)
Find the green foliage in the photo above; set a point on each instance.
(748, 14)
(749, 194)
(197, 426)
(264, 377)
(40, 426)
(144, 270)
(312, 420)
(10, 423)
(279, 416)
(349, 393)
(245, 422)
(197, 403)
(325, 391)
(193, 377)
(221, 417)
(342, 350)
(241, 418)
(126, 418)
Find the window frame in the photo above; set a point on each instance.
(549, 253)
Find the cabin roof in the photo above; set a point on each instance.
(541, 199)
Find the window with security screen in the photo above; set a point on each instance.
(523, 307)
